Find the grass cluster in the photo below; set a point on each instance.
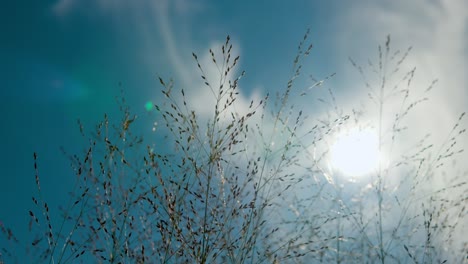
(254, 186)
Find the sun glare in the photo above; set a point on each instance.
(355, 152)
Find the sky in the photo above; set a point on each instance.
(65, 60)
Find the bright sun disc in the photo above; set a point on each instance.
(355, 152)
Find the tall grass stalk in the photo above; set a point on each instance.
(253, 184)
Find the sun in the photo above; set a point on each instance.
(355, 152)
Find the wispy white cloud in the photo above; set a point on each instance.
(62, 7)
(154, 20)
(201, 97)
(172, 48)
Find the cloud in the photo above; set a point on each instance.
(201, 97)
(437, 31)
(172, 49)
(154, 20)
(62, 7)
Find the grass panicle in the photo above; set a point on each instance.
(251, 183)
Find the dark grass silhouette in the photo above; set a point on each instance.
(244, 186)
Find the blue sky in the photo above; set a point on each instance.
(63, 60)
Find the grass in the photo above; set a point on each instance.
(253, 185)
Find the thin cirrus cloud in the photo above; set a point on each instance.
(202, 99)
(153, 20)
(62, 7)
